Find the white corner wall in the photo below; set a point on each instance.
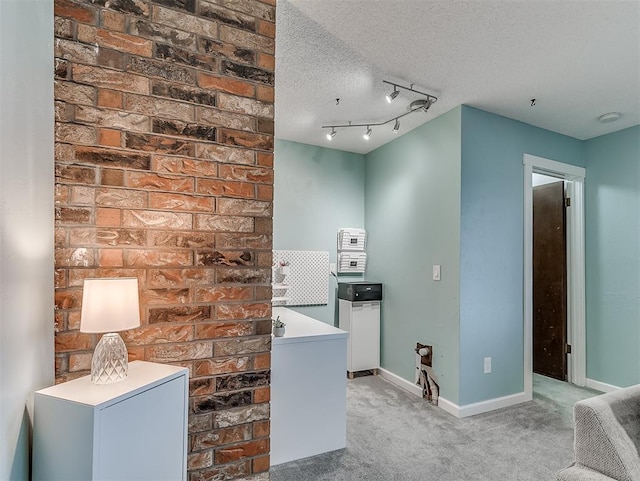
(26, 222)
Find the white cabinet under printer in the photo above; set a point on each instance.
(359, 314)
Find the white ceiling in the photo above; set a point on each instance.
(578, 58)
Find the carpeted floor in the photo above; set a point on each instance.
(392, 435)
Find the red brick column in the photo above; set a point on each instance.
(164, 171)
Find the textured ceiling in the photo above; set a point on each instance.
(579, 59)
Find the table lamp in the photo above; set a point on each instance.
(108, 306)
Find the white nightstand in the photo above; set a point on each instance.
(135, 429)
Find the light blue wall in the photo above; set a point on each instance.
(412, 211)
(451, 193)
(491, 247)
(316, 192)
(612, 206)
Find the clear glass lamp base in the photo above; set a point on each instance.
(110, 360)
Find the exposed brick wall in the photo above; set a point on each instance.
(164, 171)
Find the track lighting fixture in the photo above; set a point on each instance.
(393, 94)
(422, 105)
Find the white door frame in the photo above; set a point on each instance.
(576, 329)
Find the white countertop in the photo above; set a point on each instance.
(301, 328)
(142, 375)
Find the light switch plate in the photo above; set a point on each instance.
(487, 365)
(436, 272)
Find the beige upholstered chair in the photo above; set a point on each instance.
(607, 438)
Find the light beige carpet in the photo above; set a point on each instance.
(393, 435)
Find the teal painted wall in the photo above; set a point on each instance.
(451, 193)
(412, 211)
(316, 192)
(612, 207)
(491, 247)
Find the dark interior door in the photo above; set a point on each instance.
(549, 281)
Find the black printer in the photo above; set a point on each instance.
(360, 291)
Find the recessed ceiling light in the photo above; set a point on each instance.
(610, 117)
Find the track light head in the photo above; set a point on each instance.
(331, 134)
(367, 134)
(392, 95)
(396, 126)
(423, 104)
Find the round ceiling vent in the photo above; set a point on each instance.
(610, 117)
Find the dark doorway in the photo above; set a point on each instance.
(549, 281)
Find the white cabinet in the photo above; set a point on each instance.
(362, 321)
(135, 429)
(308, 388)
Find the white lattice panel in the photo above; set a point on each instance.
(303, 281)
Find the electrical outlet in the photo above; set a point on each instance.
(333, 269)
(487, 365)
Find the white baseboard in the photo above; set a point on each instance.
(601, 386)
(415, 389)
(400, 382)
(451, 408)
(493, 404)
(483, 406)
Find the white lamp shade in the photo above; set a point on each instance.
(110, 305)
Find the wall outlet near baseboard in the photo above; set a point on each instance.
(487, 365)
